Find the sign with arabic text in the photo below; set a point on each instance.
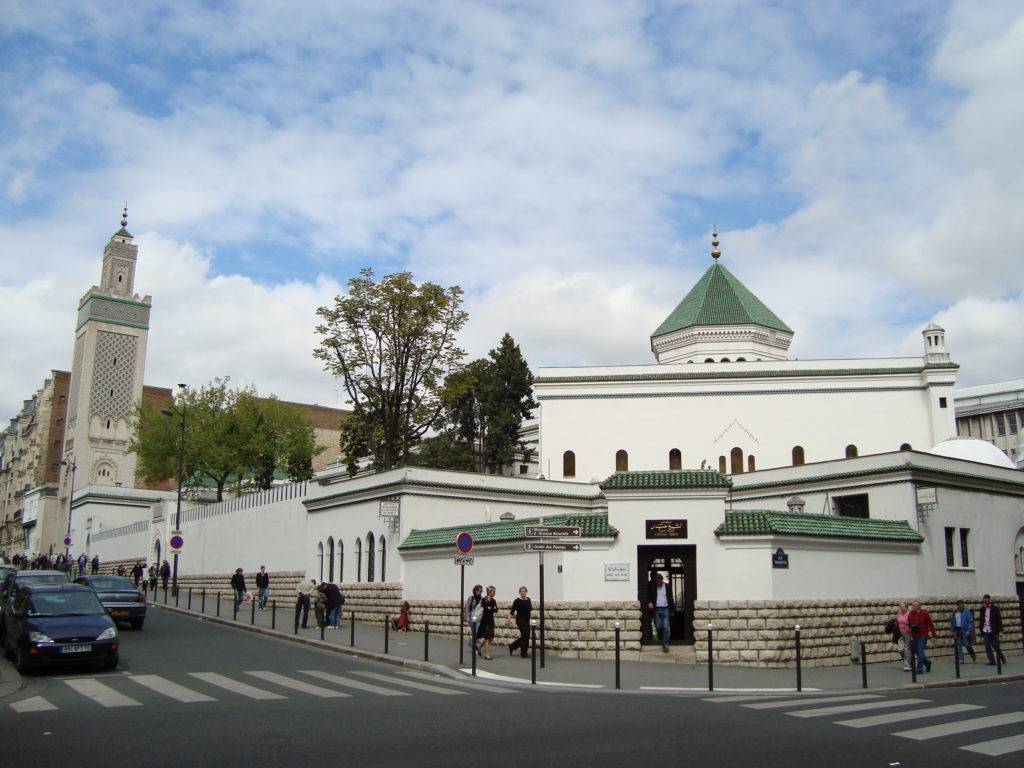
(666, 529)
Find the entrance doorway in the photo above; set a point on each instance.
(678, 566)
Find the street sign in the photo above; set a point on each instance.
(67, 541)
(464, 543)
(542, 531)
(780, 559)
(543, 546)
(176, 542)
(463, 559)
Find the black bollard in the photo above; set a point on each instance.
(999, 655)
(426, 640)
(322, 625)
(913, 660)
(473, 659)
(218, 605)
(253, 604)
(711, 661)
(273, 614)
(352, 619)
(234, 606)
(956, 655)
(863, 665)
(387, 626)
(799, 680)
(533, 652)
(618, 629)
(177, 594)
(204, 600)
(165, 594)
(190, 598)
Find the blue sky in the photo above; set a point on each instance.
(563, 162)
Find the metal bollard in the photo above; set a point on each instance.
(473, 659)
(913, 660)
(799, 679)
(863, 665)
(387, 627)
(999, 656)
(352, 619)
(218, 604)
(273, 614)
(322, 625)
(956, 655)
(533, 653)
(234, 606)
(165, 594)
(618, 629)
(204, 600)
(190, 598)
(426, 640)
(253, 603)
(177, 595)
(711, 660)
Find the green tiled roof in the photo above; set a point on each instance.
(654, 480)
(719, 298)
(501, 531)
(759, 522)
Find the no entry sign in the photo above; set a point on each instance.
(464, 543)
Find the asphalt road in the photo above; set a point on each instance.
(193, 692)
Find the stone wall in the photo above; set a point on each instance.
(760, 633)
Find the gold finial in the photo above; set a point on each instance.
(124, 215)
(715, 253)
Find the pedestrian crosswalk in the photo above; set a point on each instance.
(135, 690)
(950, 721)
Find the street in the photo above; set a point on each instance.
(191, 690)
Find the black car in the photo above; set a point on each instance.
(17, 580)
(119, 596)
(59, 625)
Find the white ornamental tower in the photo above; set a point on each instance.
(106, 373)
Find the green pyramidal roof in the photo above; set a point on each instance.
(719, 298)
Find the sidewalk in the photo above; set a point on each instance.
(647, 675)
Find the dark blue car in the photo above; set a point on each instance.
(59, 625)
(119, 596)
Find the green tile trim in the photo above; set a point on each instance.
(502, 531)
(665, 479)
(108, 321)
(766, 522)
(740, 374)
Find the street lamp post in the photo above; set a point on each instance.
(181, 479)
(72, 466)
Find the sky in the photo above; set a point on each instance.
(563, 162)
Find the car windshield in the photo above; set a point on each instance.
(111, 583)
(42, 578)
(64, 604)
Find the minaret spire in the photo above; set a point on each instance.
(715, 253)
(124, 215)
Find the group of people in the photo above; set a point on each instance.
(262, 587)
(59, 562)
(326, 600)
(140, 573)
(913, 626)
(480, 612)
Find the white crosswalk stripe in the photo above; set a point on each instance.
(32, 704)
(411, 684)
(812, 701)
(235, 686)
(100, 693)
(458, 683)
(998, 747)
(170, 689)
(358, 685)
(299, 685)
(962, 726)
(914, 714)
(862, 707)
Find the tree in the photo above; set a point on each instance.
(392, 343)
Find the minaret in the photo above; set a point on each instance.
(935, 344)
(106, 372)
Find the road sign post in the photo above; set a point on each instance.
(464, 544)
(542, 531)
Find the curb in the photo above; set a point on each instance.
(423, 666)
(9, 687)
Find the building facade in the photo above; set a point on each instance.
(995, 413)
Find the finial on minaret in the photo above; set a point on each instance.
(124, 215)
(715, 253)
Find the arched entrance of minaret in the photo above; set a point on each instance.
(104, 472)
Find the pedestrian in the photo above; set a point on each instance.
(921, 628)
(319, 598)
(662, 606)
(961, 622)
(400, 623)
(137, 570)
(95, 564)
(990, 619)
(83, 560)
(906, 638)
(334, 602)
(522, 608)
(238, 585)
(165, 573)
(120, 572)
(263, 585)
(472, 612)
(152, 578)
(303, 600)
(486, 629)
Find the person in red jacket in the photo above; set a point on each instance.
(921, 627)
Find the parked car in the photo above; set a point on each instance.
(119, 596)
(59, 625)
(15, 581)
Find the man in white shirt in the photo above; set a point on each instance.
(661, 606)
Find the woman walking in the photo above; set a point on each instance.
(906, 641)
(472, 612)
(522, 608)
(486, 630)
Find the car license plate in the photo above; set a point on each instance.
(76, 649)
(119, 613)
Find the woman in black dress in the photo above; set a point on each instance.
(486, 630)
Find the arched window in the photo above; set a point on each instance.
(341, 561)
(383, 558)
(369, 558)
(741, 359)
(568, 464)
(721, 464)
(621, 461)
(725, 359)
(851, 451)
(751, 464)
(320, 557)
(359, 560)
(709, 359)
(906, 447)
(330, 558)
(798, 455)
(736, 461)
(675, 459)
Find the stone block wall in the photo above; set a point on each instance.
(760, 633)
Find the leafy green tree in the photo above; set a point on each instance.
(392, 343)
(444, 451)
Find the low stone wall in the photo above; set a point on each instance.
(760, 633)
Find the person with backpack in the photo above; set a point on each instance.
(152, 578)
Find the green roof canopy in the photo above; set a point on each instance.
(658, 479)
(761, 522)
(591, 526)
(719, 298)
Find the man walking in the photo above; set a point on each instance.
(263, 585)
(165, 573)
(137, 571)
(662, 606)
(921, 627)
(238, 585)
(95, 564)
(990, 619)
(83, 560)
(961, 621)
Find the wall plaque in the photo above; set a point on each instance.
(616, 571)
(780, 559)
(666, 529)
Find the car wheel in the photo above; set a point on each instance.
(110, 663)
(137, 624)
(21, 662)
